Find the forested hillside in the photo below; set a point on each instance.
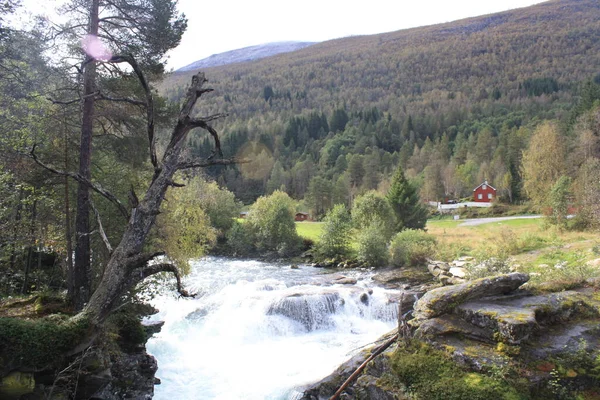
(453, 104)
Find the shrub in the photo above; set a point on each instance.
(370, 206)
(271, 220)
(240, 239)
(412, 247)
(336, 234)
(372, 245)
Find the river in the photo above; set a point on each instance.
(262, 330)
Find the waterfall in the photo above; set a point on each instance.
(261, 330)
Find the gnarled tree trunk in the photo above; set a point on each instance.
(128, 265)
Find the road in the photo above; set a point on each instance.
(481, 221)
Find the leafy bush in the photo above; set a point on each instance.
(336, 234)
(370, 206)
(271, 220)
(412, 247)
(372, 245)
(240, 239)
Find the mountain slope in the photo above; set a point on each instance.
(245, 54)
(467, 86)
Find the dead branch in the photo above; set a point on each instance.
(202, 163)
(175, 184)
(362, 366)
(94, 186)
(101, 228)
(142, 259)
(140, 274)
(203, 123)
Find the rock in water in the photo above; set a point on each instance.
(443, 300)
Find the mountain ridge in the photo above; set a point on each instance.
(245, 54)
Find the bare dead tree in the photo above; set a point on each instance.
(128, 265)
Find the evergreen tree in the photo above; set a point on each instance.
(403, 198)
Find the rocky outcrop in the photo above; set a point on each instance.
(492, 323)
(404, 278)
(451, 273)
(443, 300)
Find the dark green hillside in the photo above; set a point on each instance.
(420, 97)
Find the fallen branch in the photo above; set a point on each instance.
(362, 366)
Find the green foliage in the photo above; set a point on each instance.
(128, 327)
(559, 270)
(219, 204)
(336, 234)
(405, 202)
(543, 163)
(372, 206)
(431, 375)
(240, 240)
(184, 228)
(271, 220)
(38, 343)
(539, 86)
(558, 200)
(372, 245)
(412, 247)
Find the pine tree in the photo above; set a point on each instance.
(403, 198)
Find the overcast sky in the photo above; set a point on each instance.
(216, 26)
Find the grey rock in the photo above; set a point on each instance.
(443, 300)
(459, 272)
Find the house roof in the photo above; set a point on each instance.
(484, 183)
(301, 212)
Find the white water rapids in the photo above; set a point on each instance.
(261, 330)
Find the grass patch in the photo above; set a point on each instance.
(309, 230)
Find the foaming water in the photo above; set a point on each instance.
(261, 331)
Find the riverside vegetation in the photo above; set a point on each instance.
(359, 131)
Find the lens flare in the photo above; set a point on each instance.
(94, 48)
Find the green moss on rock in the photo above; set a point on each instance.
(37, 343)
(16, 384)
(430, 374)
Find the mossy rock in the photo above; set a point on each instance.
(38, 343)
(16, 384)
(430, 374)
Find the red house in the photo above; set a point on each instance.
(484, 193)
(302, 216)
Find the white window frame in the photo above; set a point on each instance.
(480, 196)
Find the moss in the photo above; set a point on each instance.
(38, 343)
(430, 374)
(16, 384)
(508, 350)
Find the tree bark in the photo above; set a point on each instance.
(81, 278)
(68, 234)
(127, 265)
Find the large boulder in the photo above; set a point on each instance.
(443, 300)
